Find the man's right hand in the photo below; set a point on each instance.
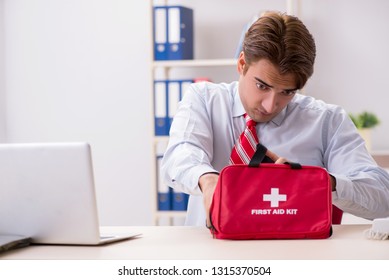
(207, 184)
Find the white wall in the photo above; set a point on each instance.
(2, 74)
(80, 70)
(352, 39)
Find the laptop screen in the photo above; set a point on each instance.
(47, 192)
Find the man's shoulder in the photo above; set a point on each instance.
(308, 108)
(304, 102)
(209, 92)
(215, 88)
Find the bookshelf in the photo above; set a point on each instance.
(170, 69)
(163, 217)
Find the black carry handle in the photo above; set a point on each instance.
(261, 157)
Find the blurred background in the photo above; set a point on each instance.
(81, 70)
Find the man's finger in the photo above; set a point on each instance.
(272, 155)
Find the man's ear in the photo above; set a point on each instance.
(241, 63)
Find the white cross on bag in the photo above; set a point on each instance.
(274, 197)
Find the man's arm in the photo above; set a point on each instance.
(362, 187)
(190, 147)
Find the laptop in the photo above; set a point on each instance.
(47, 194)
(8, 242)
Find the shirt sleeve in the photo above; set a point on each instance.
(362, 187)
(190, 149)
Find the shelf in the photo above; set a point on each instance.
(159, 138)
(195, 63)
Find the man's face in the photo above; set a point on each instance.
(264, 92)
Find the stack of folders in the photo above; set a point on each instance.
(167, 94)
(173, 32)
(168, 198)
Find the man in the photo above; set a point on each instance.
(277, 60)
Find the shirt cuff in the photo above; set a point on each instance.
(343, 187)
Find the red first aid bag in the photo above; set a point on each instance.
(271, 201)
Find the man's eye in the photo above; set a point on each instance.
(289, 92)
(261, 86)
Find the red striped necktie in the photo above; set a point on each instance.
(246, 144)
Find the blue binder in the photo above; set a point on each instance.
(179, 201)
(167, 95)
(176, 90)
(161, 119)
(163, 191)
(173, 33)
(160, 33)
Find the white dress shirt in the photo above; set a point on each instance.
(308, 131)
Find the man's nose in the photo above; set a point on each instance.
(270, 102)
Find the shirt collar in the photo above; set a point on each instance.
(277, 120)
(237, 107)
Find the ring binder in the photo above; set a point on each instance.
(173, 33)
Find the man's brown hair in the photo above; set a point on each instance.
(283, 40)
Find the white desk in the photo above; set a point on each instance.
(195, 243)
